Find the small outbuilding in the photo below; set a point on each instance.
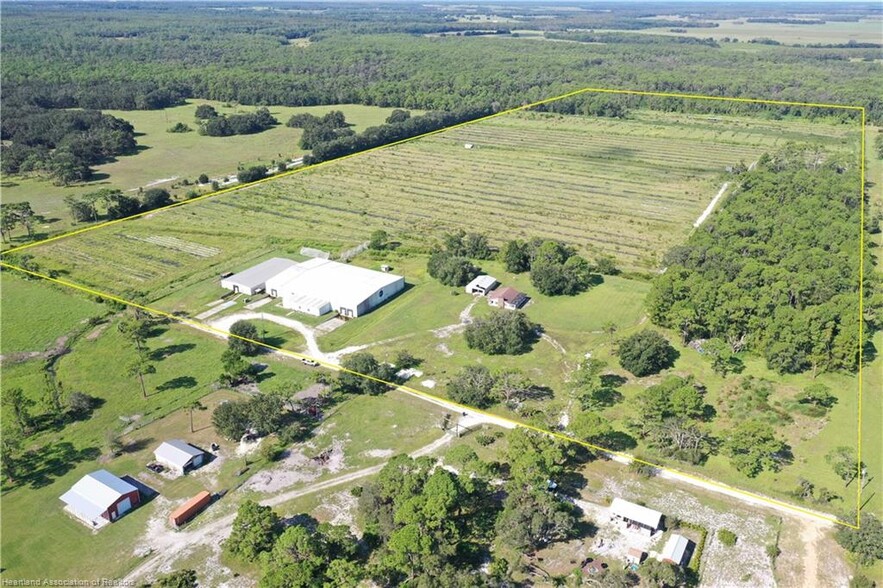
(677, 550)
(100, 497)
(635, 556)
(508, 298)
(635, 516)
(254, 279)
(482, 285)
(179, 456)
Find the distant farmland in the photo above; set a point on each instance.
(629, 188)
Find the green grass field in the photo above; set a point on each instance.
(630, 188)
(166, 158)
(58, 312)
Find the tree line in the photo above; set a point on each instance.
(172, 53)
(339, 146)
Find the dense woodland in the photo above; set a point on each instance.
(776, 269)
(62, 143)
(137, 56)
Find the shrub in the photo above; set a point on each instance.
(271, 450)
(252, 174)
(203, 179)
(179, 128)
(773, 551)
(726, 537)
(484, 440)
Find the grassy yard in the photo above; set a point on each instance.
(163, 158)
(58, 311)
(630, 188)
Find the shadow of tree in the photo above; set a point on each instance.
(138, 445)
(51, 461)
(177, 383)
(164, 352)
(619, 441)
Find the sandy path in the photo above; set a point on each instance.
(710, 208)
(810, 535)
(309, 334)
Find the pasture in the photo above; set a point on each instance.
(630, 188)
(164, 159)
(866, 30)
(56, 313)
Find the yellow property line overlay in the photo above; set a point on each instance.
(424, 395)
(860, 109)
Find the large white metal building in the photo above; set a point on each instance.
(317, 286)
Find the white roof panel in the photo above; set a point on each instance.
(636, 512)
(258, 275)
(484, 281)
(339, 283)
(81, 505)
(176, 452)
(675, 548)
(99, 489)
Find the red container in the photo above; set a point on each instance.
(190, 509)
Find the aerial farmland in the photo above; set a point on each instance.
(405, 295)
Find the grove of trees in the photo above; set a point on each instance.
(215, 125)
(61, 143)
(776, 269)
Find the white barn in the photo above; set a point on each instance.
(482, 285)
(100, 497)
(317, 286)
(178, 455)
(254, 279)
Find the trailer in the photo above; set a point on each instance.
(190, 509)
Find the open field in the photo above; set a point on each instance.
(630, 188)
(863, 31)
(165, 157)
(59, 312)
